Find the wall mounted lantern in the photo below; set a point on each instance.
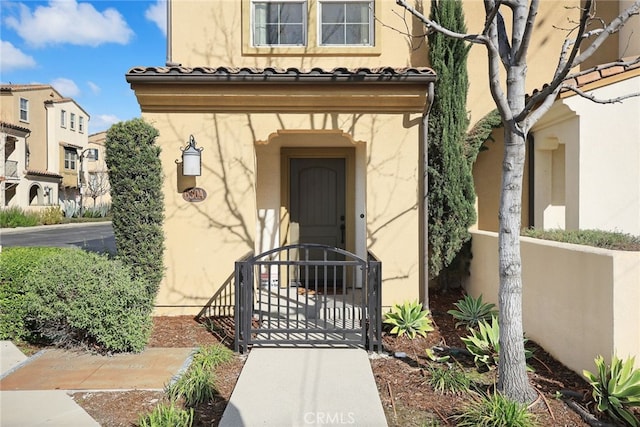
(191, 160)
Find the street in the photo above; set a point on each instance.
(95, 237)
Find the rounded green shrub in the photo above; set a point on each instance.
(82, 298)
(15, 265)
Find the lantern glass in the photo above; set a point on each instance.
(191, 161)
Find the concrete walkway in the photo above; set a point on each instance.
(33, 391)
(282, 387)
(277, 387)
(35, 407)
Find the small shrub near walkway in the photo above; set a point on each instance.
(69, 297)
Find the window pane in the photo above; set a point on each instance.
(358, 13)
(279, 23)
(291, 13)
(333, 13)
(332, 34)
(357, 34)
(291, 34)
(346, 23)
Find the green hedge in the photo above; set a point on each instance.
(596, 238)
(80, 298)
(137, 200)
(15, 266)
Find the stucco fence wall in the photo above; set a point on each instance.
(578, 301)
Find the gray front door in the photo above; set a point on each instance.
(317, 205)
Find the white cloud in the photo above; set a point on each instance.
(101, 122)
(66, 87)
(95, 89)
(66, 21)
(158, 13)
(12, 58)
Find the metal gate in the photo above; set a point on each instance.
(307, 294)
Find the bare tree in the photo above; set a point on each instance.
(97, 185)
(519, 113)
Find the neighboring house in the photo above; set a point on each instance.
(96, 175)
(282, 94)
(52, 134)
(583, 163)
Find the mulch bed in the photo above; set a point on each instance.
(402, 383)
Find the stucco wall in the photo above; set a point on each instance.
(578, 301)
(241, 175)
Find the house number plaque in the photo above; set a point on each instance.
(195, 194)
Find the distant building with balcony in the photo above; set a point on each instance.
(43, 135)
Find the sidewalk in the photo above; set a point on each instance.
(282, 387)
(277, 387)
(33, 391)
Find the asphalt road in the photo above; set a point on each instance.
(95, 237)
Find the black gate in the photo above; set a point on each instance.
(307, 294)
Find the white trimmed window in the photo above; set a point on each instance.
(70, 158)
(63, 118)
(24, 110)
(346, 23)
(72, 121)
(279, 23)
(81, 123)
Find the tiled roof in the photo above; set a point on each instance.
(10, 87)
(43, 173)
(599, 75)
(272, 74)
(603, 71)
(14, 127)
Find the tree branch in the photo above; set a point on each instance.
(613, 27)
(521, 53)
(431, 25)
(597, 100)
(564, 65)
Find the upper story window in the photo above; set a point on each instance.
(70, 158)
(346, 23)
(80, 123)
(72, 122)
(63, 118)
(279, 23)
(24, 110)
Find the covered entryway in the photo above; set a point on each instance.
(253, 124)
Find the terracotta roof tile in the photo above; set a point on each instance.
(43, 173)
(15, 127)
(600, 72)
(247, 74)
(588, 78)
(10, 87)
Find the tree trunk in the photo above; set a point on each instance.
(512, 381)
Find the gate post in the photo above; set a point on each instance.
(374, 303)
(243, 305)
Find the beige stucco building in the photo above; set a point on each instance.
(267, 96)
(43, 136)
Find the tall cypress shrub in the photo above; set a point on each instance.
(451, 193)
(137, 201)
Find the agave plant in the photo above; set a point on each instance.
(484, 344)
(470, 311)
(616, 388)
(409, 318)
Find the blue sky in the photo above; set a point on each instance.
(83, 49)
